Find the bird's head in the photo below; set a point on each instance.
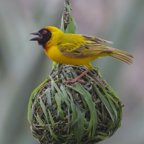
(43, 36)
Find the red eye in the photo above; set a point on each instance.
(44, 32)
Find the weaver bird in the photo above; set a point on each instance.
(76, 49)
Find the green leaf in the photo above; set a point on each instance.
(74, 114)
(39, 120)
(80, 124)
(51, 119)
(52, 133)
(72, 27)
(49, 128)
(62, 24)
(30, 100)
(48, 95)
(44, 110)
(111, 103)
(70, 95)
(93, 115)
(106, 103)
(58, 101)
(65, 96)
(76, 89)
(58, 90)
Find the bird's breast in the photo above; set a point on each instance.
(56, 55)
(53, 53)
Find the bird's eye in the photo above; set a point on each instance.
(44, 32)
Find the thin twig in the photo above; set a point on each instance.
(66, 13)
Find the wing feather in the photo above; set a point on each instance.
(96, 39)
(84, 50)
(89, 46)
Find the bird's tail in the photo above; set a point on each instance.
(121, 55)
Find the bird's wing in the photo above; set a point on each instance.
(85, 47)
(96, 39)
(91, 46)
(73, 50)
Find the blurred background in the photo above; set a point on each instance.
(23, 64)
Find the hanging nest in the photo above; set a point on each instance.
(74, 113)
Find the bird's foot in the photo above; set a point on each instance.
(70, 80)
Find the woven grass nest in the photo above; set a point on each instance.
(74, 113)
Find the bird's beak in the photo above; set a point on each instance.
(36, 38)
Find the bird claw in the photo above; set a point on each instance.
(70, 80)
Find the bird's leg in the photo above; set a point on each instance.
(78, 78)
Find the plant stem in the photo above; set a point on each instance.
(65, 20)
(66, 13)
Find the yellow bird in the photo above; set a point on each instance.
(76, 49)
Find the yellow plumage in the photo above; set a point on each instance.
(76, 49)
